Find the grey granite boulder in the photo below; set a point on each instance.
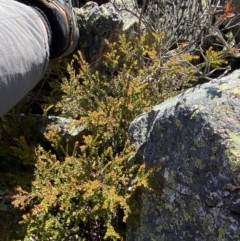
(97, 23)
(196, 137)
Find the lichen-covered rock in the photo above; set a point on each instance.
(70, 130)
(67, 127)
(196, 136)
(97, 23)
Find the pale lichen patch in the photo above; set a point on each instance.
(221, 234)
(236, 90)
(208, 222)
(234, 151)
(223, 87)
(214, 149)
(178, 123)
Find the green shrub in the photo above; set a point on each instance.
(88, 194)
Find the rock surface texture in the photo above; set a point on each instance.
(97, 23)
(196, 136)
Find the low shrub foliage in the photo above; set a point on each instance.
(88, 191)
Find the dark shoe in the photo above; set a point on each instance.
(63, 25)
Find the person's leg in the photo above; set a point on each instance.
(24, 52)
